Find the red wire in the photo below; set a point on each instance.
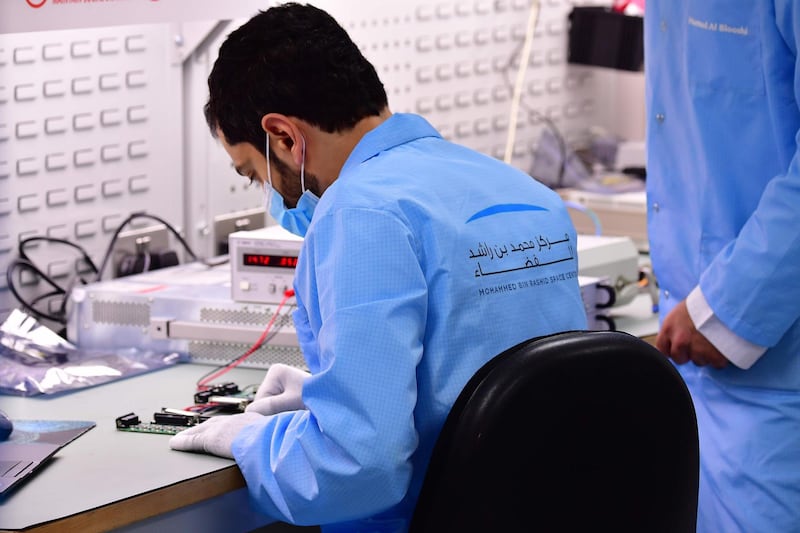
(286, 295)
(620, 5)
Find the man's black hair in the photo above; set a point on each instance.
(291, 59)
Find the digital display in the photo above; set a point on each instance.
(269, 260)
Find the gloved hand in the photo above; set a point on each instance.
(281, 390)
(214, 436)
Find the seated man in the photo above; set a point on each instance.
(421, 260)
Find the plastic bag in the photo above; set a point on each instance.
(34, 360)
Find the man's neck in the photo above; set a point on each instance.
(338, 147)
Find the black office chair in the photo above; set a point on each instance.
(576, 432)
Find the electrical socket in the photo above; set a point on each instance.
(224, 225)
(127, 243)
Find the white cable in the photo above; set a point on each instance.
(598, 228)
(148, 258)
(523, 67)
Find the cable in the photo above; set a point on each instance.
(201, 381)
(647, 280)
(45, 296)
(620, 5)
(65, 291)
(25, 262)
(83, 252)
(148, 259)
(562, 144)
(598, 229)
(29, 306)
(523, 66)
(210, 376)
(119, 229)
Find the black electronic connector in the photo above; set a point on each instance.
(223, 389)
(202, 396)
(145, 261)
(173, 419)
(229, 388)
(126, 421)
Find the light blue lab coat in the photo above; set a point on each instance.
(423, 260)
(723, 186)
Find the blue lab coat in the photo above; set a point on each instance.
(724, 212)
(423, 260)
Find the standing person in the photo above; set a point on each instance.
(421, 260)
(724, 215)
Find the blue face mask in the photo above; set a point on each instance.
(297, 219)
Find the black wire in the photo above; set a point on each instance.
(83, 252)
(44, 296)
(25, 263)
(63, 308)
(119, 229)
(23, 256)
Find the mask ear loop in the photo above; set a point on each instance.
(268, 192)
(303, 166)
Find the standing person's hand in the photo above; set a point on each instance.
(679, 340)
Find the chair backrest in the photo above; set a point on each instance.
(582, 431)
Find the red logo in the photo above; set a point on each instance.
(36, 4)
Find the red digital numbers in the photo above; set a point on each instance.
(268, 260)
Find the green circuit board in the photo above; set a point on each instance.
(149, 427)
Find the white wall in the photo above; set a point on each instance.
(100, 117)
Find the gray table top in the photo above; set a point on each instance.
(106, 465)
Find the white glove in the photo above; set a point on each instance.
(281, 390)
(214, 436)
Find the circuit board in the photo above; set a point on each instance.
(218, 400)
(164, 423)
(150, 427)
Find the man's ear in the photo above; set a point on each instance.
(286, 138)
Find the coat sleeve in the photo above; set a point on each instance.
(752, 285)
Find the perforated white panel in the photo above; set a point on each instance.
(452, 61)
(455, 63)
(90, 130)
(98, 123)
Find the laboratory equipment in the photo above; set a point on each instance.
(262, 263)
(186, 309)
